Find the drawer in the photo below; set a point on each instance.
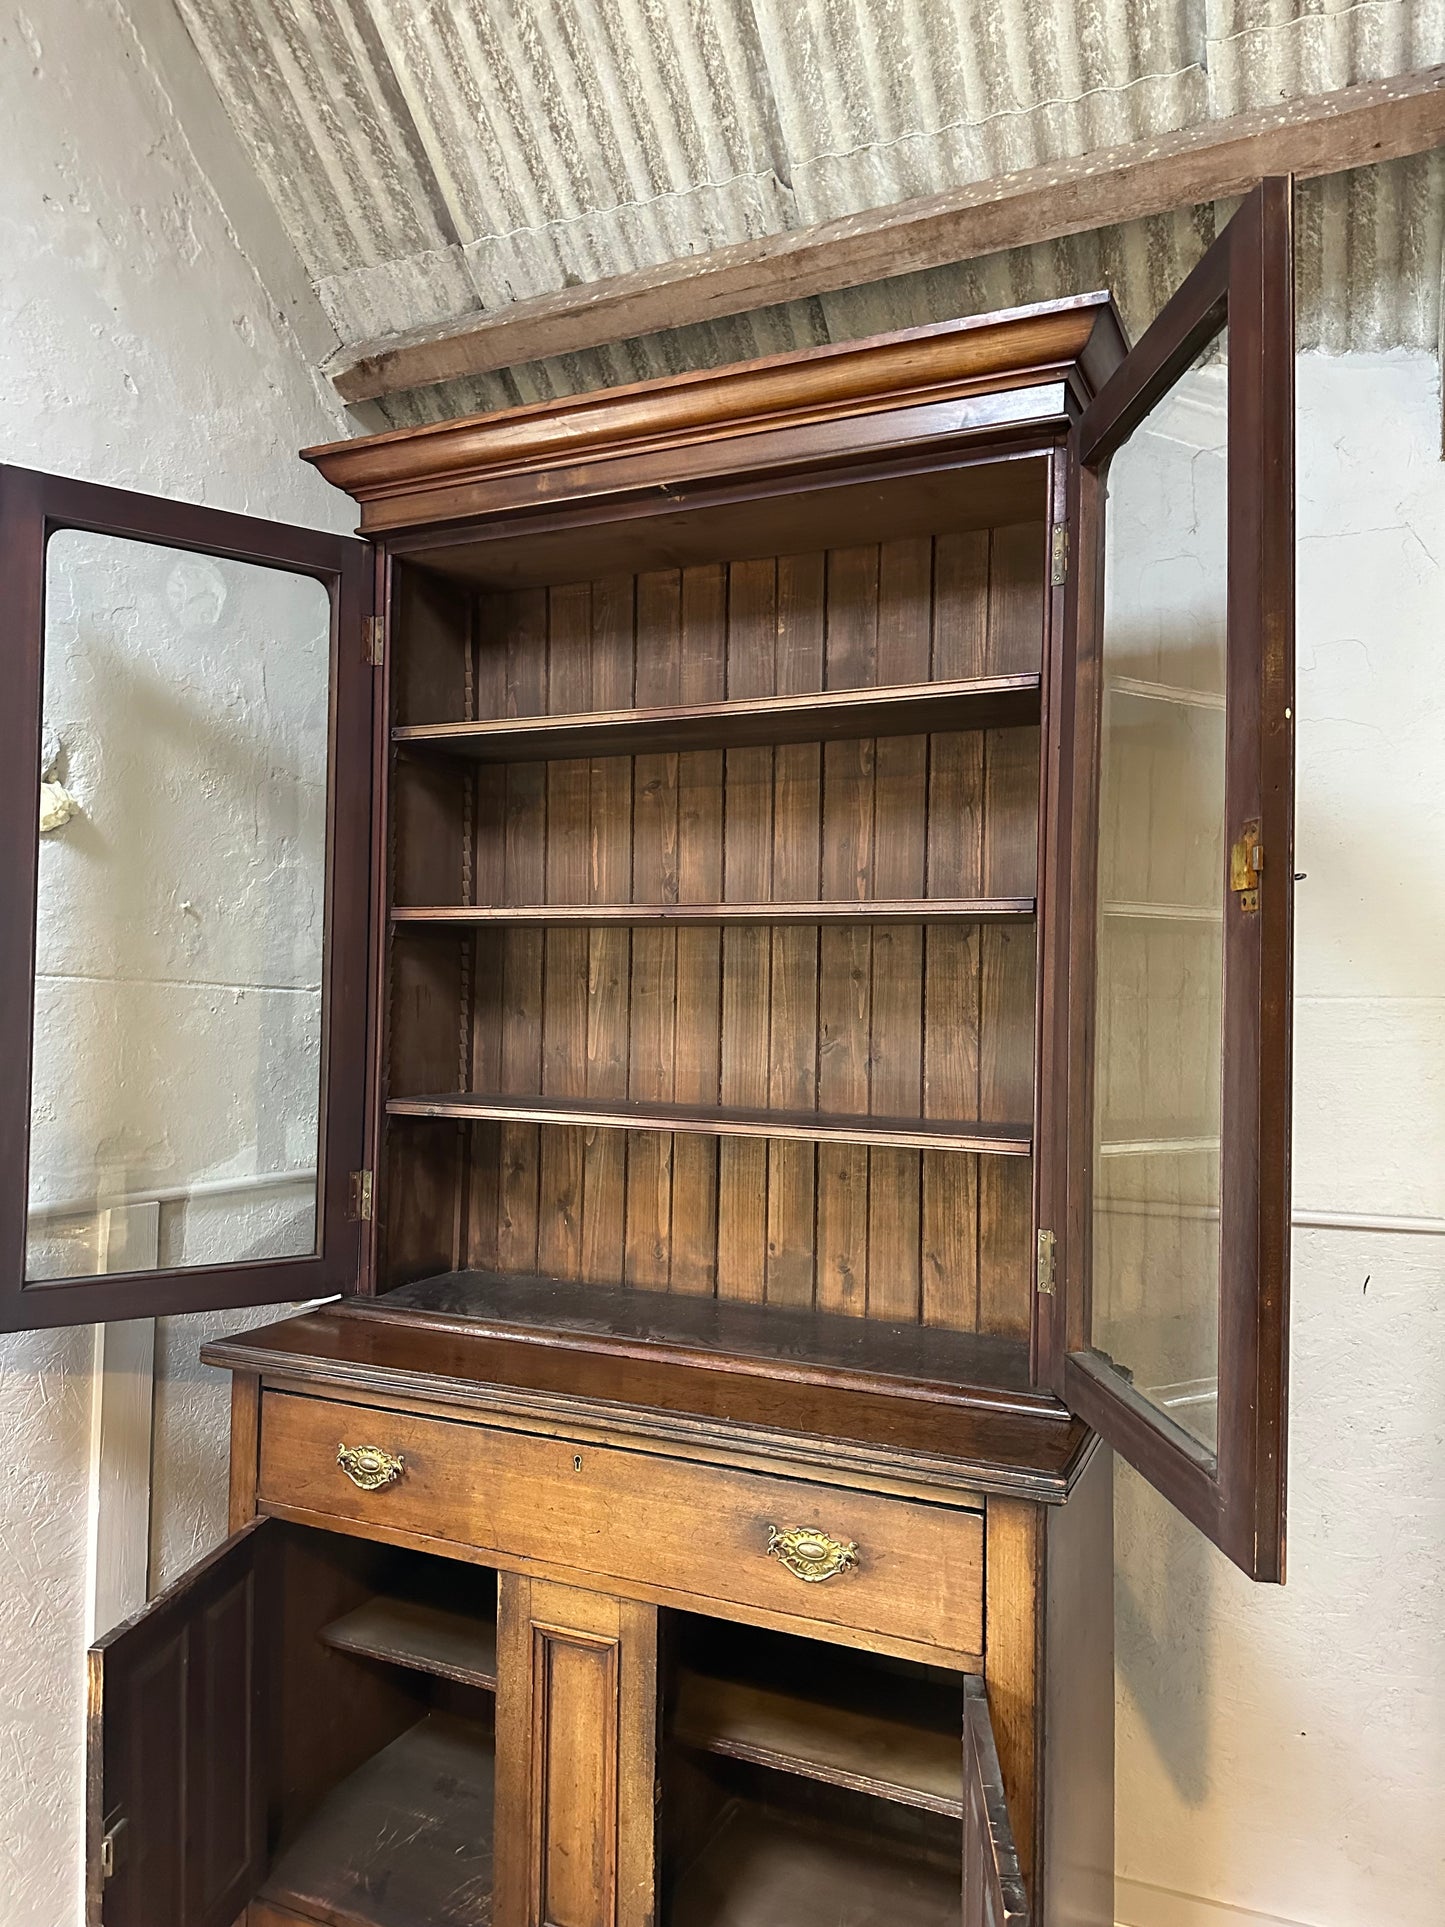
(636, 1518)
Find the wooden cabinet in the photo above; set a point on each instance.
(803, 1056)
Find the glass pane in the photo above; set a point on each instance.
(182, 883)
(1159, 992)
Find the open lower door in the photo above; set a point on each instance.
(176, 1796)
(993, 1887)
(185, 823)
(1168, 1189)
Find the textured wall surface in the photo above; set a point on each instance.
(137, 346)
(1281, 1753)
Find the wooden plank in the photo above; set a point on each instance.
(744, 721)
(1313, 135)
(524, 873)
(652, 1041)
(905, 647)
(951, 967)
(564, 958)
(424, 1637)
(888, 1759)
(747, 975)
(919, 910)
(851, 1132)
(609, 951)
(406, 1838)
(845, 954)
(703, 678)
(1007, 976)
(796, 871)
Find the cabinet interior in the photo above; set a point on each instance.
(712, 919)
(804, 1785)
(382, 1774)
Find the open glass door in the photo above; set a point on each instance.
(185, 749)
(1173, 1246)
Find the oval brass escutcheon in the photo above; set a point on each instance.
(368, 1466)
(811, 1554)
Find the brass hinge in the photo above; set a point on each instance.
(376, 640)
(1246, 860)
(1059, 571)
(359, 1210)
(1047, 1255)
(108, 1846)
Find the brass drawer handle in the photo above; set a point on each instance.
(810, 1554)
(368, 1466)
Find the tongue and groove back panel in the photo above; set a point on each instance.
(852, 1019)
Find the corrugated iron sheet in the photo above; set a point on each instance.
(435, 157)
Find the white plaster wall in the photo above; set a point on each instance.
(138, 346)
(1281, 1753)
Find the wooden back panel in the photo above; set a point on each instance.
(887, 1019)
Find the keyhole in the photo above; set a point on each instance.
(577, 1463)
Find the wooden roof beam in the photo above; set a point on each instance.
(1317, 134)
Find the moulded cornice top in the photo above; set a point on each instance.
(1080, 338)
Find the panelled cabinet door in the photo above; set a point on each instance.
(993, 1887)
(176, 1793)
(1170, 1200)
(184, 855)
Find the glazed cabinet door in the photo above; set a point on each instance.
(993, 1887)
(184, 858)
(1168, 1204)
(576, 1757)
(176, 1788)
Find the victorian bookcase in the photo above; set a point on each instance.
(772, 1025)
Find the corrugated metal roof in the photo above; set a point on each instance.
(434, 157)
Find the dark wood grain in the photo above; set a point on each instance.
(905, 910)
(407, 1838)
(993, 1889)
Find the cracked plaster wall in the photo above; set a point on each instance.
(139, 347)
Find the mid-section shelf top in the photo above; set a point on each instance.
(634, 1114)
(453, 916)
(833, 715)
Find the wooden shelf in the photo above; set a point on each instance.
(865, 1752)
(909, 709)
(784, 1343)
(763, 1869)
(407, 1838)
(426, 1638)
(818, 1127)
(867, 910)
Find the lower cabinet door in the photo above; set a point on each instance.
(176, 1798)
(993, 1888)
(576, 1757)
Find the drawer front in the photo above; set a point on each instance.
(854, 1560)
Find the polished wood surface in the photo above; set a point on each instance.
(694, 1407)
(529, 1500)
(882, 910)
(404, 1841)
(576, 1766)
